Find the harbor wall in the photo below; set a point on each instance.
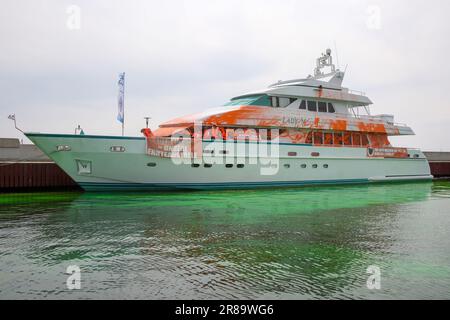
(24, 166)
(439, 163)
(33, 175)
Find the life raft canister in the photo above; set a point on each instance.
(147, 132)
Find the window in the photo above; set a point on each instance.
(240, 165)
(274, 101)
(318, 139)
(258, 100)
(315, 154)
(151, 164)
(228, 165)
(287, 165)
(356, 139)
(281, 102)
(302, 105)
(312, 106)
(195, 165)
(331, 108)
(314, 166)
(308, 138)
(325, 166)
(207, 165)
(322, 106)
(303, 166)
(327, 138)
(337, 138)
(292, 154)
(364, 140)
(347, 138)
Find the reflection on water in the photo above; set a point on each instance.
(283, 243)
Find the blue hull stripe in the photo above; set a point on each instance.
(229, 185)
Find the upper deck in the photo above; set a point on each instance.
(315, 102)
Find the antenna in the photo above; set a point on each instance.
(337, 57)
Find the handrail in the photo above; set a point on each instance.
(361, 93)
(376, 118)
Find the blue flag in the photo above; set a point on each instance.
(121, 114)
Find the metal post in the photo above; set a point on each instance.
(146, 121)
(123, 122)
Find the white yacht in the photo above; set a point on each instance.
(298, 132)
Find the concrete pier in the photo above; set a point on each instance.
(24, 166)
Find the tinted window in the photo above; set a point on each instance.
(330, 107)
(302, 105)
(259, 100)
(312, 106)
(322, 106)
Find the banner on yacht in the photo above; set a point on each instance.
(388, 152)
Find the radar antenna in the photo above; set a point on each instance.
(325, 60)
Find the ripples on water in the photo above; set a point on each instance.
(311, 243)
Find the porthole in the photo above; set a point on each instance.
(195, 165)
(287, 165)
(207, 165)
(63, 148)
(416, 156)
(228, 165)
(325, 166)
(303, 166)
(314, 166)
(151, 164)
(240, 165)
(223, 151)
(117, 149)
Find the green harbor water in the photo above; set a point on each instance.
(299, 243)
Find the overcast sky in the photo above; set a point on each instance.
(182, 57)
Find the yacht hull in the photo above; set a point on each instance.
(99, 163)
